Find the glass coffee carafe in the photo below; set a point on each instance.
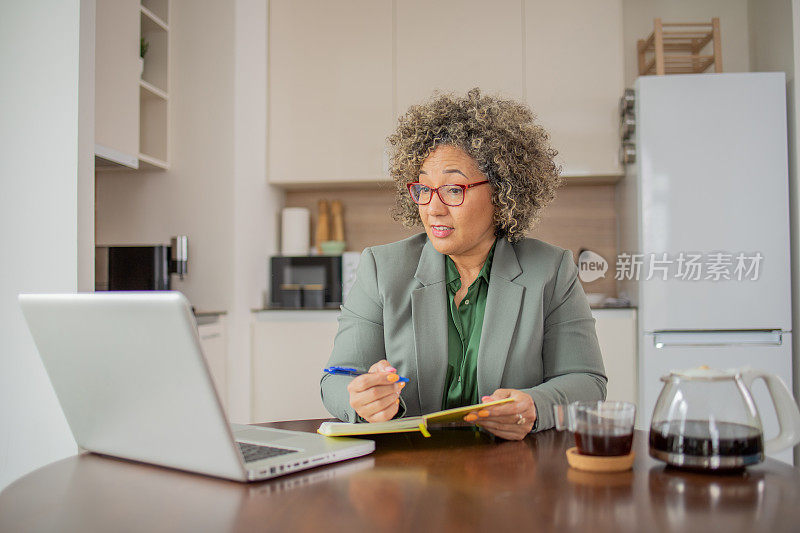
(706, 419)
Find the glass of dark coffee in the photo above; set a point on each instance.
(600, 428)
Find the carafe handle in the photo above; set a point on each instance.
(785, 407)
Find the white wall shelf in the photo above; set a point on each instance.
(159, 8)
(156, 61)
(106, 158)
(147, 162)
(151, 22)
(132, 133)
(154, 86)
(149, 90)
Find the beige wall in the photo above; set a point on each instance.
(770, 34)
(638, 18)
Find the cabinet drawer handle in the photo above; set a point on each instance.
(210, 336)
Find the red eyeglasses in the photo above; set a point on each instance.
(450, 194)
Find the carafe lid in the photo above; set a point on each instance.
(703, 373)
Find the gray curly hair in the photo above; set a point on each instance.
(500, 135)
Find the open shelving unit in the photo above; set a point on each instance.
(675, 48)
(154, 86)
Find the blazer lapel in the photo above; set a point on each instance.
(429, 316)
(503, 303)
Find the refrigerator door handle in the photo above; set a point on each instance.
(666, 339)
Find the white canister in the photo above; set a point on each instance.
(295, 231)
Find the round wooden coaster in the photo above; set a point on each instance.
(596, 463)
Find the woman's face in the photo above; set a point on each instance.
(467, 229)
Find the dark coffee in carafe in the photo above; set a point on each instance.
(701, 438)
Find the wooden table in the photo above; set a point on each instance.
(458, 480)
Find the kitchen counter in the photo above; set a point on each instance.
(295, 314)
(208, 317)
(309, 335)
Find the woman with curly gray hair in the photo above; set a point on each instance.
(470, 311)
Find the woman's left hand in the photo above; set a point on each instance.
(512, 420)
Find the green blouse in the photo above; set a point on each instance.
(464, 326)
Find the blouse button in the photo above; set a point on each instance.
(466, 302)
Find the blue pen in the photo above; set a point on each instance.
(346, 371)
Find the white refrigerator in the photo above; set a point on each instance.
(704, 230)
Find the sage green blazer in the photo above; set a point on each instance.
(538, 332)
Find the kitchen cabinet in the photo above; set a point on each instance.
(213, 343)
(330, 90)
(116, 127)
(340, 75)
(290, 349)
(616, 333)
(574, 77)
(455, 45)
(131, 95)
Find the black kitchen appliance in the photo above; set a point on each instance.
(140, 268)
(306, 281)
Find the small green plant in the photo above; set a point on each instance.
(143, 46)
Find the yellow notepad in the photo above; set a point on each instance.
(403, 425)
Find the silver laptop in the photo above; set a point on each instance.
(132, 381)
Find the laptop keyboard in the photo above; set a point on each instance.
(255, 452)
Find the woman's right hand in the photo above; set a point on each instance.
(376, 395)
